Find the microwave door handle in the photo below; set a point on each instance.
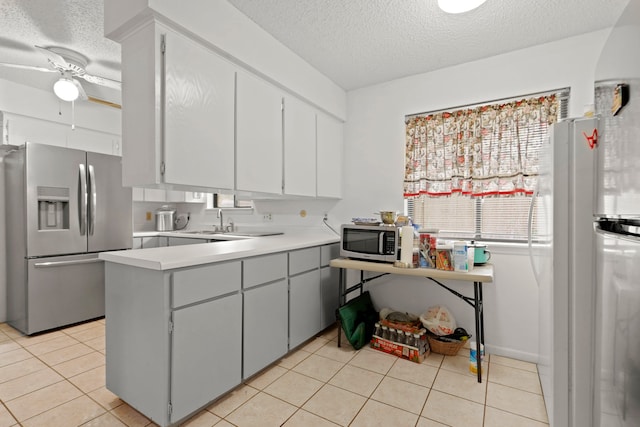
(93, 200)
(381, 243)
(82, 199)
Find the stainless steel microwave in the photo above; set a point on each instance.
(371, 243)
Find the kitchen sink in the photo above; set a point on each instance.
(253, 233)
(202, 232)
(236, 233)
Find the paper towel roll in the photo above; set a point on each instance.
(406, 247)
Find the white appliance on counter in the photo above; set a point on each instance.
(563, 264)
(63, 207)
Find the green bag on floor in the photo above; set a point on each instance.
(358, 317)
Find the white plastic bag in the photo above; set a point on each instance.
(439, 320)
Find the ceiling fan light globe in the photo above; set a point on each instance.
(459, 6)
(65, 89)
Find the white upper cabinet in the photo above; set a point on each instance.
(198, 108)
(329, 161)
(258, 136)
(178, 103)
(299, 148)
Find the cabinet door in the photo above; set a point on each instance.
(199, 115)
(329, 252)
(299, 148)
(206, 353)
(265, 326)
(304, 307)
(329, 282)
(151, 242)
(330, 165)
(137, 243)
(155, 195)
(259, 136)
(178, 241)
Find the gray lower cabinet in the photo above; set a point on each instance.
(304, 295)
(206, 353)
(304, 307)
(173, 337)
(265, 311)
(329, 282)
(178, 339)
(265, 326)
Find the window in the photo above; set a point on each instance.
(471, 173)
(220, 200)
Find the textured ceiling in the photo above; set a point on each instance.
(355, 43)
(362, 42)
(73, 24)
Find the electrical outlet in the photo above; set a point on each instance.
(267, 217)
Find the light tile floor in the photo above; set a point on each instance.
(58, 379)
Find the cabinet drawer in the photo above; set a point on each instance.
(201, 283)
(304, 260)
(329, 252)
(264, 269)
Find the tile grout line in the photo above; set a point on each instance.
(64, 377)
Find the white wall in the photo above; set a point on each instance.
(374, 164)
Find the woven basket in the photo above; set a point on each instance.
(444, 347)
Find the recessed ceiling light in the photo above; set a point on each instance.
(459, 6)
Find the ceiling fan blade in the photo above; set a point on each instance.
(102, 81)
(28, 67)
(103, 102)
(82, 95)
(54, 58)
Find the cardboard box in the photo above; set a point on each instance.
(404, 351)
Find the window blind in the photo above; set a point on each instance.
(495, 218)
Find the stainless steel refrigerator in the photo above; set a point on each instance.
(617, 224)
(63, 207)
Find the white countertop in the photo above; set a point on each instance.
(167, 258)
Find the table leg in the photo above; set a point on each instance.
(481, 312)
(341, 297)
(477, 292)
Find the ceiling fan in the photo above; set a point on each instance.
(71, 66)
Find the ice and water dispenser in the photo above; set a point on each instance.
(53, 208)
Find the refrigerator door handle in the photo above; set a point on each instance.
(63, 263)
(530, 237)
(93, 199)
(627, 230)
(82, 200)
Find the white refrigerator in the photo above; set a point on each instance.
(563, 264)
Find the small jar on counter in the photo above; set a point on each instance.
(377, 330)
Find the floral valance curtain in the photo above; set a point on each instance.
(492, 150)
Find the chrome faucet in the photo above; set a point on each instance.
(221, 220)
